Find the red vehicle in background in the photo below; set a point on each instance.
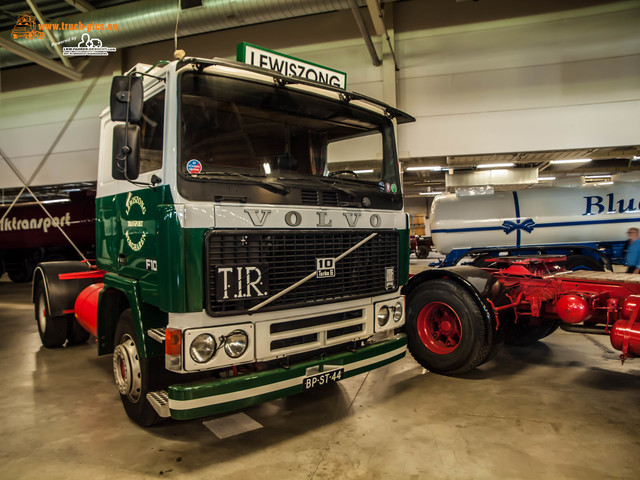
(421, 245)
(28, 235)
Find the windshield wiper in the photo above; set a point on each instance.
(260, 181)
(324, 181)
(359, 181)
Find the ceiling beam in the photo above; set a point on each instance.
(49, 35)
(376, 17)
(81, 5)
(364, 31)
(375, 12)
(41, 60)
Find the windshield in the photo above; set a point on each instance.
(247, 131)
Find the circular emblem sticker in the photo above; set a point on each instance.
(194, 166)
(134, 230)
(387, 187)
(394, 188)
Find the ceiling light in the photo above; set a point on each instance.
(495, 165)
(604, 183)
(363, 171)
(573, 160)
(545, 179)
(431, 193)
(267, 168)
(597, 176)
(417, 169)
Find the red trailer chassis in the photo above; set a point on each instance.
(459, 317)
(600, 302)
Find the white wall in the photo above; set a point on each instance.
(567, 79)
(555, 81)
(31, 119)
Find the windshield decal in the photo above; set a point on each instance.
(194, 167)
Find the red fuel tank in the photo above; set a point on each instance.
(86, 307)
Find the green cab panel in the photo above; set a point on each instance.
(138, 236)
(209, 397)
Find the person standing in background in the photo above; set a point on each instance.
(633, 251)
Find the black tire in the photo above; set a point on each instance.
(422, 251)
(52, 330)
(486, 261)
(497, 341)
(133, 374)
(75, 333)
(525, 333)
(439, 348)
(24, 273)
(582, 262)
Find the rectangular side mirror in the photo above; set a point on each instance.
(126, 152)
(126, 94)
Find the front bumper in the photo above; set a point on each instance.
(199, 399)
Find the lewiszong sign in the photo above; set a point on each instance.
(289, 66)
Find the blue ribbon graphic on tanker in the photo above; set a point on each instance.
(527, 225)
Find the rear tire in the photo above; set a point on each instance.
(582, 262)
(486, 260)
(524, 333)
(133, 376)
(447, 332)
(75, 333)
(422, 251)
(52, 330)
(24, 273)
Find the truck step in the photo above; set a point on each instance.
(157, 334)
(160, 402)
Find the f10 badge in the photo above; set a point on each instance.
(325, 267)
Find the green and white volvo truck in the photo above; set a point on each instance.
(241, 256)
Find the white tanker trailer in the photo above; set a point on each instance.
(587, 224)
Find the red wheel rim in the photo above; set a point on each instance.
(439, 328)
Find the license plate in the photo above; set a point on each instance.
(324, 378)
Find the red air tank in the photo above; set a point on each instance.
(622, 333)
(625, 334)
(573, 308)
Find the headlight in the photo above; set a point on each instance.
(236, 344)
(202, 348)
(397, 312)
(383, 315)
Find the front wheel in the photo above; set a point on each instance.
(447, 332)
(133, 376)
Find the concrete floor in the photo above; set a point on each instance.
(562, 409)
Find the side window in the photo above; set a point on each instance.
(152, 128)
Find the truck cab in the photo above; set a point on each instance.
(245, 255)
